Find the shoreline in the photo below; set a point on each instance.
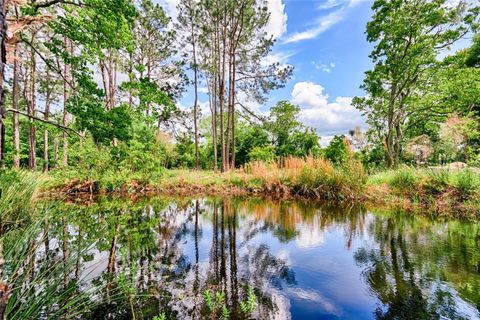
(442, 205)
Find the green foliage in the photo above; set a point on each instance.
(324, 180)
(467, 183)
(437, 181)
(409, 36)
(216, 303)
(151, 97)
(250, 305)
(290, 136)
(337, 151)
(16, 191)
(103, 125)
(403, 180)
(185, 152)
(162, 316)
(266, 153)
(249, 138)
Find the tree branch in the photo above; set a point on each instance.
(64, 128)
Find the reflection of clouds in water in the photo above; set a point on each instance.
(283, 304)
(284, 255)
(310, 235)
(313, 296)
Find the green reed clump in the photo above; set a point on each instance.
(437, 181)
(33, 283)
(467, 183)
(324, 180)
(403, 180)
(16, 191)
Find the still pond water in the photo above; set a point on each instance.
(303, 261)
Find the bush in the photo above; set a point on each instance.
(266, 153)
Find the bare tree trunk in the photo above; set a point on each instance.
(213, 97)
(66, 96)
(111, 80)
(222, 106)
(232, 93)
(45, 134)
(130, 71)
(195, 107)
(32, 139)
(55, 152)
(16, 123)
(229, 115)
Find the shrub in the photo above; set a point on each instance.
(266, 153)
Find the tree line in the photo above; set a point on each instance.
(86, 78)
(94, 69)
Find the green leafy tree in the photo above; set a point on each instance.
(337, 151)
(290, 136)
(408, 35)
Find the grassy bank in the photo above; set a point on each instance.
(439, 191)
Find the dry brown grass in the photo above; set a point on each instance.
(310, 176)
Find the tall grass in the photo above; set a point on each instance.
(32, 284)
(311, 176)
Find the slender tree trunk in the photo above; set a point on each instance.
(214, 123)
(229, 115)
(113, 251)
(130, 72)
(389, 145)
(16, 122)
(55, 152)
(32, 146)
(195, 107)
(66, 96)
(45, 134)
(221, 98)
(232, 93)
(3, 58)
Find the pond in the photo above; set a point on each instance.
(301, 260)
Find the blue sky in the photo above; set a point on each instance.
(325, 42)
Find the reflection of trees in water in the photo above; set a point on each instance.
(288, 220)
(155, 238)
(408, 270)
(167, 280)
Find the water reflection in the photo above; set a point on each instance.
(303, 261)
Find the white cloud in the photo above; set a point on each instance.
(324, 67)
(330, 4)
(277, 25)
(337, 116)
(324, 23)
(280, 57)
